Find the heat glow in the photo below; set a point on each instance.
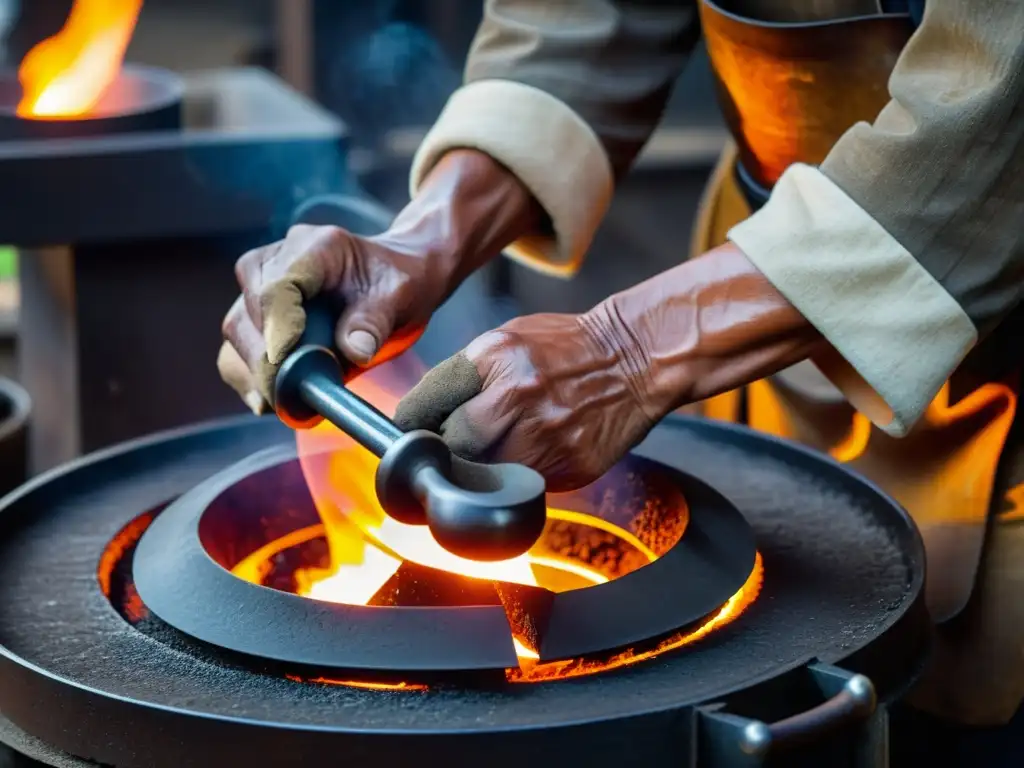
(66, 75)
(367, 548)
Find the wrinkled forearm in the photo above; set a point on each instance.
(705, 327)
(467, 210)
(565, 95)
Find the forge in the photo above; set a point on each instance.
(232, 593)
(611, 571)
(216, 596)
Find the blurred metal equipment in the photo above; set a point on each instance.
(128, 242)
(15, 412)
(295, 43)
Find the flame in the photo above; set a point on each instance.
(1014, 501)
(66, 75)
(942, 472)
(367, 548)
(340, 478)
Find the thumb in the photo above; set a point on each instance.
(363, 329)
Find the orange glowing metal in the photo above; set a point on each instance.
(369, 686)
(559, 670)
(530, 671)
(66, 75)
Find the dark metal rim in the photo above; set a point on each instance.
(811, 24)
(184, 586)
(171, 92)
(84, 462)
(21, 407)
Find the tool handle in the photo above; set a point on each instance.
(309, 385)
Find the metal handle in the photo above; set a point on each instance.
(854, 701)
(309, 384)
(499, 515)
(730, 739)
(321, 391)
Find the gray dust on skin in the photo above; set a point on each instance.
(833, 578)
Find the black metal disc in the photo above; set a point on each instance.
(179, 581)
(843, 576)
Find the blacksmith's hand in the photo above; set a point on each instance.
(569, 395)
(467, 210)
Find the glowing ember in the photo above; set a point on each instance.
(530, 671)
(360, 684)
(558, 670)
(67, 74)
(367, 548)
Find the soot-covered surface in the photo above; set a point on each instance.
(836, 574)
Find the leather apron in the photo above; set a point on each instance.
(960, 472)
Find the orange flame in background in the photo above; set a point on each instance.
(66, 75)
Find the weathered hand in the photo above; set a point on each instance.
(388, 297)
(562, 394)
(568, 395)
(469, 208)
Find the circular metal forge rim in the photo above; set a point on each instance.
(112, 712)
(180, 583)
(158, 108)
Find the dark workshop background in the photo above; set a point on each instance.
(386, 67)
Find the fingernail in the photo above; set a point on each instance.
(363, 344)
(254, 400)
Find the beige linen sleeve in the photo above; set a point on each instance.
(564, 94)
(908, 243)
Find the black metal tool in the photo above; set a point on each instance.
(477, 511)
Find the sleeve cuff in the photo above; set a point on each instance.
(547, 146)
(896, 333)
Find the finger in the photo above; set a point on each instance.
(281, 300)
(363, 329)
(438, 394)
(250, 276)
(248, 343)
(241, 333)
(236, 374)
(284, 319)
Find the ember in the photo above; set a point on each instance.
(367, 553)
(67, 74)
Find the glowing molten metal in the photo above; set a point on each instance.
(66, 75)
(367, 549)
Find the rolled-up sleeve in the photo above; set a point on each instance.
(907, 244)
(564, 93)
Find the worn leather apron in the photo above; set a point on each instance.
(958, 471)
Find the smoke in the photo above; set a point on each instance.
(393, 76)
